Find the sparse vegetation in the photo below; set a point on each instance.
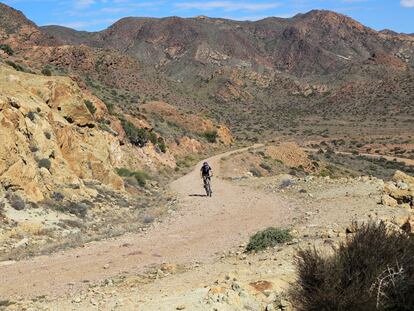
(255, 172)
(269, 237)
(137, 136)
(211, 136)
(16, 201)
(372, 270)
(31, 115)
(57, 196)
(6, 303)
(266, 166)
(46, 72)
(286, 183)
(140, 176)
(79, 209)
(44, 163)
(161, 144)
(91, 107)
(34, 148)
(14, 65)
(6, 48)
(148, 219)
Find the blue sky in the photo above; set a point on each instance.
(94, 15)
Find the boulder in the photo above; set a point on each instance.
(404, 178)
(401, 189)
(388, 200)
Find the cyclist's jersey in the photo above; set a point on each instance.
(205, 170)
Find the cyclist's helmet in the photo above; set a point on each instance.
(205, 164)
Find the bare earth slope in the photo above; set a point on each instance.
(201, 229)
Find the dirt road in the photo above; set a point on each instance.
(201, 230)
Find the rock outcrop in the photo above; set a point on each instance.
(52, 142)
(399, 191)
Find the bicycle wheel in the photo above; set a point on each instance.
(208, 190)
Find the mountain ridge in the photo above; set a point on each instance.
(257, 77)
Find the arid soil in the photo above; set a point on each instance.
(194, 258)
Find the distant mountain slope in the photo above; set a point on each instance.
(257, 77)
(319, 42)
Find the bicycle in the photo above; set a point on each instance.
(207, 185)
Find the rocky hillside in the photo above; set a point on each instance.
(268, 75)
(318, 42)
(302, 75)
(15, 28)
(52, 141)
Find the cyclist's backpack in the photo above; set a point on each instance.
(205, 169)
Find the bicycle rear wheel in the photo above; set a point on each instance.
(207, 187)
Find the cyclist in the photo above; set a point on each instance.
(206, 173)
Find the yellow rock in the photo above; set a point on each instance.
(389, 201)
(400, 176)
(51, 142)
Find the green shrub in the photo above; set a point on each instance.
(161, 144)
(137, 136)
(34, 148)
(110, 106)
(153, 138)
(31, 115)
(91, 107)
(46, 72)
(16, 201)
(6, 303)
(14, 65)
(372, 270)
(44, 163)
(211, 136)
(6, 48)
(255, 172)
(265, 166)
(57, 196)
(269, 237)
(140, 176)
(79, 209)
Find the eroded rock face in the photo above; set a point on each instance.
(52, 142)
(49, 138)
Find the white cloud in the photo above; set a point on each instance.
(354, 1)
(258, 17)
(227, 5)
(407, 3)
(81, 4)
(85, 24)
